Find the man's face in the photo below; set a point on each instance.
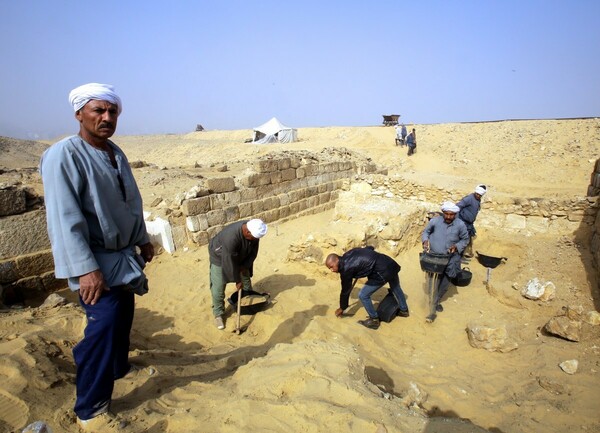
(333, 265)
(449, 217)
(98, 119)
(477, 196)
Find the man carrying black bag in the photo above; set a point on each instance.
(379, 269)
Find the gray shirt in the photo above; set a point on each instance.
(93, 211)
(442, 236)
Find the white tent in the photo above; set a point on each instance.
(274, 131)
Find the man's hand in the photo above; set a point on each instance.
(426, 245)
(339, 312)
(452, 249)
(91, 287)
(147, 251)
(239, 286)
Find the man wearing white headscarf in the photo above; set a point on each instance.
(95, 224)
(469, 208)
(445, 234)
(232, 253)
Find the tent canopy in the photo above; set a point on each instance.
(274, 131)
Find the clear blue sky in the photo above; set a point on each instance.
(235, 64)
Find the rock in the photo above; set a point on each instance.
(593, 318)
(551, 386)
(415, 396)
(538, 291)
(564, 327)
(54, 300)
(489, 337)
(569, 366)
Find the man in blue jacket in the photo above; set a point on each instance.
(469, 208)
(378, 268)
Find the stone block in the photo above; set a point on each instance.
(23, 234)
(216, 217)
(12, 201)
(284, 212)
(200, 238)
(324, 197)
(266, 165)
(276, 177)
(266, 191)
(34, 264)
(301, 172)
(52, 284)
(312, 201)
(514, 221)
(160, 233)
(247, 194)
(257, 207)
(294, 208)
(220, 184)
(196, 206)
(270, 203)
(180, 238)
(8, 271)
(270, 215)
(538, 224)
(284, 164)
(295, 162)
(288, 174)
(223, 200)
(232, 213)
(284, 199)
(213, 231)
(196, 223)
(29, 288)
(254, 180)
(312, 191)
(245, 209)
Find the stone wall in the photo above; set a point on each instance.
(594, 191)
(274, 190)
(26, 264)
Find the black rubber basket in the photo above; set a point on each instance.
(434, 263)
(463, 278)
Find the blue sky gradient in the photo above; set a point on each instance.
(236, 64)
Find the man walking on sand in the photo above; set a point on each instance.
(232, 253)
(378, 268)
(95, 222)
(469, 208)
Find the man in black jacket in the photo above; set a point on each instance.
(232, 253)
(378, 268)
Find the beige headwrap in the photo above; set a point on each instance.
(448, 206)
(102, 92)
(481, 189)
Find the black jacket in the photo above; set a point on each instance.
(361, 263)
(230, 250)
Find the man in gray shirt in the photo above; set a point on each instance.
(446, 234)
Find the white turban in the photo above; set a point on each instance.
(448, 206)
(257, 228)
(481, 189)
(102, 92)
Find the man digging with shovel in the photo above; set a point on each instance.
(232, 253)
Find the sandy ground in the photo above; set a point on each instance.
(299, 368)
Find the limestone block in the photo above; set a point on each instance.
(276, 177)
(35, 263)
(220, 201)
(179, 234)
(284, 212)
(232, 213)
(266, 165)
(266, 191)
(51, 283)
(160, 233)
(312, 201)
(538, 224)
(256, 179)
(288, 174)
(312, 181)
(216, 217)
(12, 201)
(248, 194)
(493, 338)
(563, 327)
(324, 197)
(270, 215)
(284, 164)
(196, 223)
(196, 206)
(301, 172)
(516, 222)
(296, 195)
(220, 184)
(536, 290)
(8, 271)
(257, 207)
(294, 208)
(23, 234)
(575, 216)
(302, 205)
(200, 238)
(295, 162)
(245, 209)
(284, 199)
(312, 191)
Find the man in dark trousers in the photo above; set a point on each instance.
(469, 208)
(232, 253)
(378, 268)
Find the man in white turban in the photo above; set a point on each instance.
(469, 208)
(96, 226)
(232, 253)
(445, 234)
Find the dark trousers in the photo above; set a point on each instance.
(102, 356)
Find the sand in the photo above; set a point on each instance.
(298, 368)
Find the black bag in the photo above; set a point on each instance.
(388, 308)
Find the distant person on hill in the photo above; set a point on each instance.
(411, 142)
(378, 268)
(469, 208)
(232, 253)
(404, 133)
(400, 135)
(95, 222)
(445, 234)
